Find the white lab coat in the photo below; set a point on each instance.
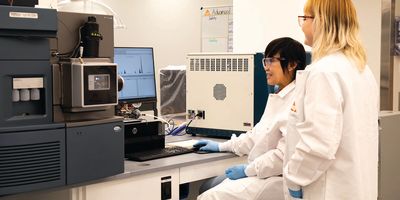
(264, 145)
(332, 139)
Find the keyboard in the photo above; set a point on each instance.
(158, 153)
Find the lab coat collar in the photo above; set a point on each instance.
(286, 89)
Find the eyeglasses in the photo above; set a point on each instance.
(269, 60)
(302, 19)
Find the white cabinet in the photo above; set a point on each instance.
(147, 186)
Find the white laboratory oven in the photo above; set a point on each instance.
(227, 92)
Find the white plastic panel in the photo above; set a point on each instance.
(235, 111)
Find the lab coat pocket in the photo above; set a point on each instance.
(316, 190)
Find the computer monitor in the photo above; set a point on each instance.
(136, 67)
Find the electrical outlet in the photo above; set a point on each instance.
(191, 114)
(201, 114)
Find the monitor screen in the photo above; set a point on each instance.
(136, 67)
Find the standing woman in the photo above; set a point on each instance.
(332, 139)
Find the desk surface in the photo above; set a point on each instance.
(133, 168)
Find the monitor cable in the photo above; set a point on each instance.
(170, 126)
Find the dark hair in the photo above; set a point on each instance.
(291, 50)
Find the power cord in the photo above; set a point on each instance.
(184, 126)
(176, 131)
(171, 129)
(187, 126)
(74, 52)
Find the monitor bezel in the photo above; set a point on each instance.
(139, 100)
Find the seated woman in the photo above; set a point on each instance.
(265, 143)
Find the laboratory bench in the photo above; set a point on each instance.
(145, 180)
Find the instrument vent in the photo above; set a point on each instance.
(219, 64)
(30, 164)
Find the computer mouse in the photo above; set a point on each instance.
(201, 152)
(197, 150)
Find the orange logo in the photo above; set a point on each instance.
(207, 13)
(293, 108)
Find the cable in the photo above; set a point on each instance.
(74, 52)
(170, 129)
(187, 126)
(160, 118)
(177, 130)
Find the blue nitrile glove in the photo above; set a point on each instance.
(236, 172)
(296, 193)
(207, 145)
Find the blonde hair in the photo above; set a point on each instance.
(336, 29)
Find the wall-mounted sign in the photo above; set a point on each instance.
(217, 29)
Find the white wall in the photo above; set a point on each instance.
(215, 3)
(369, 15)
(172, 27)
(257, 22)
(47, 3)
